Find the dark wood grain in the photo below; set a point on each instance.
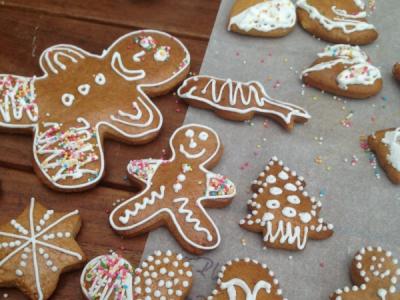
(29, 34)
(193, 18)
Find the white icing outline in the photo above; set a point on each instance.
(80, 52)
(169, 210)
(33, 240)
(236, 94)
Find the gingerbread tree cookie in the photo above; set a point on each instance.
(283, 211)
(244, 279)
(83, 98)
(374, 273)
(164, 275)
(36, 248)
(176, 191)
(239, 101)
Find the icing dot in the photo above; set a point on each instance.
(275, 191)
(273, 204)
(290, 187)
(271, 179)
(19, 273)
(283, 175)
(100, 79)
(289, 212)
(293, 199)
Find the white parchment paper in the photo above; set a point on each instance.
(365, 210)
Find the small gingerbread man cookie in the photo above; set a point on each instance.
(386, 145)
(283, 211)
(239, 101)
(36, 248)
(164, 275)
(246, 279)
(396, 71)
(83, 98)
(266, 18)
(108, 277)
(336, 21)
(374, 273)
(177, 190)
(344, 70)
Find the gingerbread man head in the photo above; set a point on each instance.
(374, 273)
(196, 143)
(83, 98)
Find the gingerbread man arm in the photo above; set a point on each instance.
(143, 170)
(219, 189)
(18, 102)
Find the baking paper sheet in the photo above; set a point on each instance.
(364, 209)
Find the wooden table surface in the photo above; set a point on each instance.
(27, 28)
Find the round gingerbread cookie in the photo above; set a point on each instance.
(265, 18)
(344, 70)
(336, 21)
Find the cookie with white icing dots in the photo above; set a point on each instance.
(374, 273)
(396, 71)
(176, 191)
(36, 248)
(163, 275)
(282, 211)
(108, 277)
(246, 279)
(266, 18)
(239, 101)
(386, 145)
(346, 71)
(83, 98)
(337, 21)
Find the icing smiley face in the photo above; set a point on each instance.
(84, 97)
(195, 143)
(283, 211)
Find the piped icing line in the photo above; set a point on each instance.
(347, 25)
(392, 141)
(379, 275)
(49, 62)
(237, 96)
(210, 193)
(269, 220)
(107, 277)
(360, 71)
(266, 16)
(34, 244)
(234, 284)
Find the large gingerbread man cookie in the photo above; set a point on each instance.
(239, 101)
(283, 211)
(177, 190)
(337, 21)
(37, 247)
(246, 279)
(374, 273)
(83, 98)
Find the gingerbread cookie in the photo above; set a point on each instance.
(177, 190)
(374, 273)
(386, 145)
(239, 101)
(163, 276)
(108, 277)
(283, 211)
(246, 279)
(396, 71)
(83, 98)
(36, 248)
(266, 18)
(344, 70)
(336, 21)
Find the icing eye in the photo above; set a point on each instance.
(100, 79)
(203, 136)
(273, 204)
(67, 99)
(189, 133)
(305, 217)
(289, 212)
(162, 53)
(293, 199)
